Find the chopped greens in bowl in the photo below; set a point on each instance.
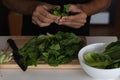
(100, 60)
(108, 59)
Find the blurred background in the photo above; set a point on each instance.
(106, 23)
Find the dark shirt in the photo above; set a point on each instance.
(31, 29)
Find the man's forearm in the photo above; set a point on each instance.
(22, 6)
(95, 6)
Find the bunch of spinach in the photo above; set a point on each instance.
(110, 58)
(54, 49)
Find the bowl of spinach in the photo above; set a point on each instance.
(101, 60)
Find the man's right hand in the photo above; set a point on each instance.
(41, 15)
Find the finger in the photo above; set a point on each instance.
(75, 18)
(39, 23)
(43, 18)
(46, 14)
(71, 24)
(40, 10)
(82, 21)
(34, 22)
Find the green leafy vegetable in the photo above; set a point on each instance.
(54, 49)
(56, 11)
(110, 58)
(4, 58)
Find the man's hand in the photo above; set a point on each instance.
(42, 17)
(75, 21)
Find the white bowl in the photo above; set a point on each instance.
(99, 74)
